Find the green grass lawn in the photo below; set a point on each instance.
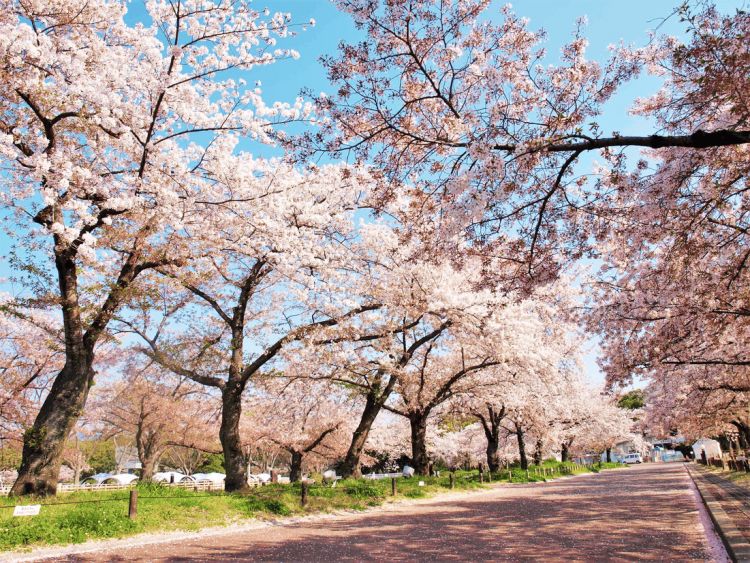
(738, 477)
(77, 517)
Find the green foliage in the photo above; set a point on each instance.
(606, 465)
(214, 464)
(632, 400)
(100, 455)
(363, 489)
(10, 457)
(270, 505)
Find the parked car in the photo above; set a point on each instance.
(632, 458)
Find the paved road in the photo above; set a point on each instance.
(647, 512)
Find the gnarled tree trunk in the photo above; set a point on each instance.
(235, 463)
(295, 467)
(521, 447)
(493, 455)
(565, 451)
(538, 452)
(491, 425)
(744, 433)
(419, 459)
(148, 466)
(43, 443)
(374, 402)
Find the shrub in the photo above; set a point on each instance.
(363, 489)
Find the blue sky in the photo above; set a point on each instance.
(609, 21)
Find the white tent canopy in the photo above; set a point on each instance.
(97, 479)
(166, 477)
(711, 447)
(121, 478)
(215, 478)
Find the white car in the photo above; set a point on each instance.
(632, 458)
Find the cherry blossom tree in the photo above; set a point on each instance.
(422, 298)
(538, 377)
(696, 402)
(270, 269)
(670, 301)
(154, 414)
(466, 359)
(457, 106)
(308, 419)
(105, 136)
(455, 448)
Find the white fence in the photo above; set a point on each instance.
(382, 475)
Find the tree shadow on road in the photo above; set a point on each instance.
(634, 514)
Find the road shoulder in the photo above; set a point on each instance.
(724, 512)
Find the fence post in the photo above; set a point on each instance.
(393, 486)
(453, 480)
(133, 504)
(303, 493)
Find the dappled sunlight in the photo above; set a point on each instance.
(645, 513)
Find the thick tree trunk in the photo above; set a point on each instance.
(565, 452)
(295, 467)
(609, 455)
(373, 405)
(43, 442)
(521, 448)
(147, 444)
(419, 459)
(235, 463)
(744, 433)
(492, 433)
(538, 452)
(148, 466)
(493, 455)
(491, 420)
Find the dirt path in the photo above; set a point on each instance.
(647, 512)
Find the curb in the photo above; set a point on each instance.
(737, 546)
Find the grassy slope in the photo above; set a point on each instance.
(737, 477)
(104, 514)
